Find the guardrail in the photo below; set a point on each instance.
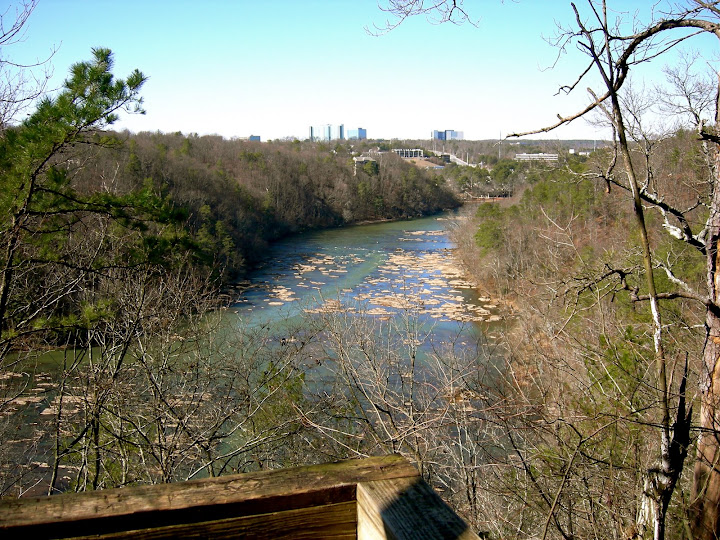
(373, 498)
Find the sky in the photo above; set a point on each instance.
(273, 68)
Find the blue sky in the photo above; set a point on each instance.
(274, 67)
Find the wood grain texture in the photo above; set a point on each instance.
(331, 522)
(369, 499)
(406, 509)
(212, 499)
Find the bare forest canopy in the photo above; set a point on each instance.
(239, 195)
(580, 408)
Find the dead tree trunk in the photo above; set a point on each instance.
(706, 484)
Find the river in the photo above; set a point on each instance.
(379, 270)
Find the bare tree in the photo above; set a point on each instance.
(20, 83)
(170, 388)
(436, 11)
(614, 51)
(613, 55)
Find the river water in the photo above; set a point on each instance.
(380, 270)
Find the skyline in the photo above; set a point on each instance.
(240, 68)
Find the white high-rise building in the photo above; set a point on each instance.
(328, 132)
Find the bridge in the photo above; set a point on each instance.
(458, 161)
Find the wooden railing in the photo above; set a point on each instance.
(374, 498)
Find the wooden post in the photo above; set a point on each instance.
(404, 508)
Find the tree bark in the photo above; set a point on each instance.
(706, 484)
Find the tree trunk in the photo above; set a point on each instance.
(706, 485)
(706, 482)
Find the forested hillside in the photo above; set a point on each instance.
(239, 195)
(580, 398)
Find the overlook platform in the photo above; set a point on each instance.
(373, 498)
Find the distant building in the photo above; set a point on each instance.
(409, 152)
(447, 135)
(255, 138)
(357, 134)
(536, 157)
(320, 133)
(328, 132)
(361, 162)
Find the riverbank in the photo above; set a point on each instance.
(473, 266)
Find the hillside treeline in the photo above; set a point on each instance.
(240, 195)
(580, 398)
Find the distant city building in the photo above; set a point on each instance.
(255, 138)
(409, 152)
(536, 157)
(321, 133)
(331, 132)
(447, 135)
(357, 134)
(327, 132)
